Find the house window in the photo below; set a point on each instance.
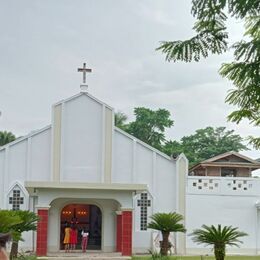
(15, 199)
(143, 203)
(228, 172)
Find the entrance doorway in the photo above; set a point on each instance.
(82, 216)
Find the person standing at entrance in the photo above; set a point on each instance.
(73, 237)
(84, 241)
(66, 240)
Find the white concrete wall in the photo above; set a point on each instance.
(136, 162)
(25, 159)
(81, 144)
(2, 178)
(28, 158)
(225, 201)
(40, 157)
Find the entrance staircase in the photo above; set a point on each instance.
(84, 256)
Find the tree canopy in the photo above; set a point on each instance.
(149, 125)
(206, 143)
(211, 37)
(120, 119)
(6, 137)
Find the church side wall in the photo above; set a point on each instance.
(40, 154)
(123, 168)
(136, 163)
(163, 197)
(2, 178)
(26, 159)
(17, 164)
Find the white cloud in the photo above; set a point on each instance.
(45, 42)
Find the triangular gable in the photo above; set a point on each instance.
(228, 155)
(82, 94)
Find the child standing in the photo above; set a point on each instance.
(66, 240)
(84, 241)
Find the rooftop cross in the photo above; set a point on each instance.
(84, 70)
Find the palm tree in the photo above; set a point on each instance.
(6, 137)
(219, 237)
(28, 222)
(166, 223)
(8, 221)
(120, 119)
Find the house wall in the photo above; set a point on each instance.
(213, 171)
(216, 171)
(243, 172)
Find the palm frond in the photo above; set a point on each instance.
(167, 222)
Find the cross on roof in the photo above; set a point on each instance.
(84, 70)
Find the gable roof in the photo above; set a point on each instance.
(213, 161)
(83, 94)
(20, 139)
(223, 155)
(115, 128)
(35, 132)
(142, 143)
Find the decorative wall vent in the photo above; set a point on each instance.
(204, 184)
(17, 198)
(143, 210)
(239, 185)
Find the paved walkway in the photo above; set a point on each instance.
(85, 256)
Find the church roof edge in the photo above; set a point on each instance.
(80, 94)
(143, 143)
(212, 160)
(32, 133)
(30, 185)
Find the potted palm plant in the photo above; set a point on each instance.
(219, 237)
(166, 223)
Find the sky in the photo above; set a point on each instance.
(44, 42)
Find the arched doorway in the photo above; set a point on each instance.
(82, 216)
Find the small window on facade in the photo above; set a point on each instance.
(143, 203)
(16, 198)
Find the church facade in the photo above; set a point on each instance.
(82, 169)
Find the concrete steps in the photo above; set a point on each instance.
(85, 256)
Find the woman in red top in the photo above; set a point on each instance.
(73, 238)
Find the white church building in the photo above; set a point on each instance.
(82, 169)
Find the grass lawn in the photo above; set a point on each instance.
(199, 258)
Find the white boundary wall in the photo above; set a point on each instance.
(226, 201)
